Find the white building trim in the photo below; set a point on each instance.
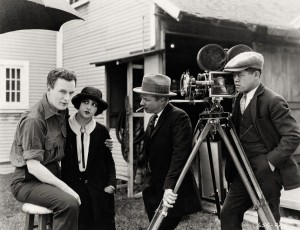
(15, 91)
(170, 8)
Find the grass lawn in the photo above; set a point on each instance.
(130, 214)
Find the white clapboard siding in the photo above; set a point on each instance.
(121, 164)
(36, 46)
(111, 29)
(8, 125)
(6, 168)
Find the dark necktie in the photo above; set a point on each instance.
(152, 123)
(82, 130)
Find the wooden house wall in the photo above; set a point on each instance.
(111, 29)
(39, 48)
(281, 73)
(8, 123)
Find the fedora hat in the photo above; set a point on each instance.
(245, 60)
(155, 84)
(93, 94)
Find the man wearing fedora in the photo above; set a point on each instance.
(269, 135)
(168, 143)
(88, 166)
(38, 148)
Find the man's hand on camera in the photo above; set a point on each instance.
(169, 198)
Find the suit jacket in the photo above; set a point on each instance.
(279, 132)
(100, 170)
(167, 151)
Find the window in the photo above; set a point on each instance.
(14, 85)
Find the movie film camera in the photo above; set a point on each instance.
(213, 85)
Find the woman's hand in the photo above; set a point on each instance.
(109, 189)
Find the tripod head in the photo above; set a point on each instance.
(216, 110)
(215, 115)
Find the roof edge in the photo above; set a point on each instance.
(128, 58)
(170, 8)
(296, 22)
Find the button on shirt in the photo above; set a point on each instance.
(40, 135)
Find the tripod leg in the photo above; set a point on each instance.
(267, 218)
(199, 174)
(213, 177)
(162, 210)
(195, 150)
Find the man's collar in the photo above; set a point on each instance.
(158, 114)
(167, 106)
(251, 93)
(49, 109)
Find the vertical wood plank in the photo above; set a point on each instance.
(130, 120)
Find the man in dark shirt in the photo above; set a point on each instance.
(269, 134)
(38, 148)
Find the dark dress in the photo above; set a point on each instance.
(97, 207)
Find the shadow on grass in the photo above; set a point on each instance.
(130, 213)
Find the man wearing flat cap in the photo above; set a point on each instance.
(168, 143)
(269, 134)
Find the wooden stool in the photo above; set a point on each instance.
(43, 213)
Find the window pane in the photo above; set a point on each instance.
(18, 96)
(13, 96)
(18, 73)
(7, 96)
(13, 73)
(18, 85)
(7, 73)
(13, 85)
(7, 85)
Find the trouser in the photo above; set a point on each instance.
(238, 201)
(65, 207)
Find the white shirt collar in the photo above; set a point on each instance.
(158, 115)
(250, 95)
(75, 126)
(86, 139)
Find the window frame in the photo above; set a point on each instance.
(10, 107)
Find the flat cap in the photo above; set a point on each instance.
(245, 60)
